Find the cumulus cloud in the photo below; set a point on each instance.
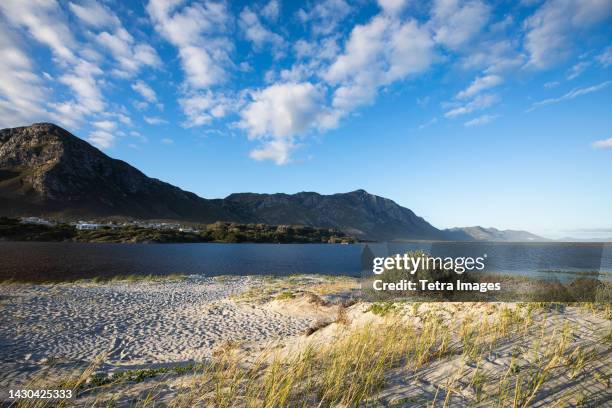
(44, 22)
(22, 93)
(130, 56)
(255, 32)
(574, 93)
(457, 22)
(551, 30)
(101, 139)
(271, 10)
(94, 14)
(107, 125)
(83, 82)
(155, 120)
(280, 112)
(376, 54)
(480, 84)
(204, 106)
(603, 144)
(496, 56)
(392, 6)
(197, 31)
(481, 120)
(325, 16)
(145, 91)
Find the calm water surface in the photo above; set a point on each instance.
(56, 261)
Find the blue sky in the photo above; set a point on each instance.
(467, 112)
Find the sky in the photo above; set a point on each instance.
(467, 112)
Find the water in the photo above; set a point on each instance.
(58, 261)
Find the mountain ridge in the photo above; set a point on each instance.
(46, 170)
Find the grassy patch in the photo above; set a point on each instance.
(382, 308)
(284, 296)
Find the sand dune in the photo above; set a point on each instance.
(47, 331)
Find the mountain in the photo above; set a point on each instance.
(47, 171)
(493, 234)
(357, 213)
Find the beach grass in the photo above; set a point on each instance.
(404, 342)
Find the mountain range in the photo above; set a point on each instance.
(47, 171)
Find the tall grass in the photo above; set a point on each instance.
(351, 367)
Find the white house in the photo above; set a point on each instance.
(87, 226)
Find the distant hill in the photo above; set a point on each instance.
(493, 234)
(47, 171)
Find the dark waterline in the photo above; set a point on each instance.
(47, 261)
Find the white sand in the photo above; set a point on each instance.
(52, 329)
(135, 324)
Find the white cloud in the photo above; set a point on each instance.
(392, 6)
(603, 144)
(130, 56)
(82, 80)
(44, 21)
(480, 102)
(271, 10)
(605, 58)
(552, 28)
(325, 16)
(22, 95)
(457, 22)
(102, 139)
(154, 120)
(255, 31)
(125, 119)
(94, 14)
(577, 69)
(167, 141)
(106, 125)
(280, 112)
(378, 53)
(145, 91)
(574, 93)
(480, 84)
(197, 31)
(204, 106)
(493, 56)
(481, 120)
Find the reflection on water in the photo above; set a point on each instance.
(55, 261)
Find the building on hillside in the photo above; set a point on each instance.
(87, 226)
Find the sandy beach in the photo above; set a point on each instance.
(50, 332)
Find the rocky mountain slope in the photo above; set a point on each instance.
(44, 169)
(357, 213)
(47, 171)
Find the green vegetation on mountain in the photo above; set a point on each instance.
(12, 230)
